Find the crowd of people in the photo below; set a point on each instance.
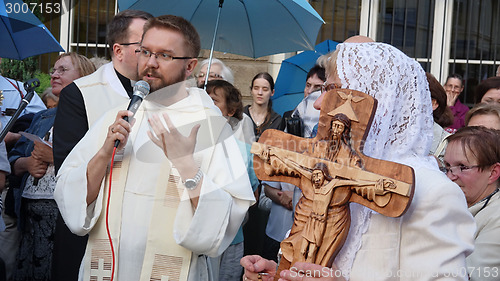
(174, 193)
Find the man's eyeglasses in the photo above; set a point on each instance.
(131, 43)
(327, 87)
(159, 56)
(210, 76)
(456, 170)
(60, 70)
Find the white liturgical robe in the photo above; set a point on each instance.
(156, 232)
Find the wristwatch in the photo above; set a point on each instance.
(191, 184)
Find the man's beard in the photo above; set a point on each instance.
(164, 81)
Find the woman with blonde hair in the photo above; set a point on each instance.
(484, 114)
(33, 162)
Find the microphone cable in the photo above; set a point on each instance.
(141, 90)
(107, 213)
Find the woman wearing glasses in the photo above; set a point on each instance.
(218, 71)
(33, 162)
(472, 160)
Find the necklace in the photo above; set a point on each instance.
(258, 119)
(487, 199)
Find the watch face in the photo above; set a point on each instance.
(190, 184)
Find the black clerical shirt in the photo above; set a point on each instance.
(71, 122)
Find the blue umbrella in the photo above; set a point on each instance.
(252, 28)
(293, 72)
(285, 103)
(22, 34)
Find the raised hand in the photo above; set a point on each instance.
(178, 148)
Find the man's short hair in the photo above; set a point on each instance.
(118, 27)
(179, 24)
(319, 71)
(226, 73)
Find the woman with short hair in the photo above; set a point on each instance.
(472, 161)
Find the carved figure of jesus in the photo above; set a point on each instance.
(329, 207)
(336, 146)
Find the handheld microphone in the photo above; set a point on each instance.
(141, 90)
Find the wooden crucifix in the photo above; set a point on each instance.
(331, 171)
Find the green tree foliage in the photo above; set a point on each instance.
(19, 70)
(44, 82)
(25, 70)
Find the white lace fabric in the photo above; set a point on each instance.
(402, 126)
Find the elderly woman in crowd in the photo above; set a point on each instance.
(49, 99)
(454, 87)
(33, 162)
(472, 161)
(430, 241)
(218, 71)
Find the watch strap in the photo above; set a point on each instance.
(193, 183)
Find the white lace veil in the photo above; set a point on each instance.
(402, 127)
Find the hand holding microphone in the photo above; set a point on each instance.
(141, 90)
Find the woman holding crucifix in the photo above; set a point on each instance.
(430, 241)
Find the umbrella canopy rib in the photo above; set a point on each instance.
(251, 30)
(304, 35)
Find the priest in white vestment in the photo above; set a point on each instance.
(179, 187)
